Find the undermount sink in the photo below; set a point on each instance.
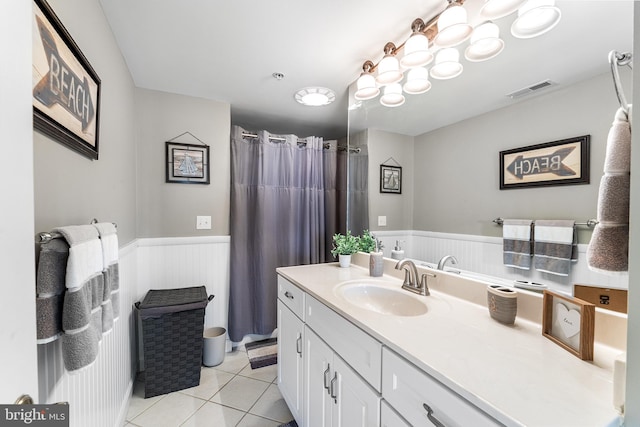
(381, 298)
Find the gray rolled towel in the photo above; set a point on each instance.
(613, 196)
(608, 250)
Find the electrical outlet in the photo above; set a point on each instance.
(203, 222)
(382, 221)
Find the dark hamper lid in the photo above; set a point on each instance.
(162, 301)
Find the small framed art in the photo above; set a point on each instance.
(187, 164)
(569, 322)
(390, 179)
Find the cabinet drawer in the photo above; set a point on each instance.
(356, 347)
(292, 296)
(408, 389)
(389, 417)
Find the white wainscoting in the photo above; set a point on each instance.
(99, 394)
(483, 254)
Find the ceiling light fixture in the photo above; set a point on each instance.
(535, 17)
(441, 33)
(315, 96)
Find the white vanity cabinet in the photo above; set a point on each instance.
(290, 343)
(334, 395)
(422, 400)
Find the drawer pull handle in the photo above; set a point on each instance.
(327, 373)
(433, 419)
(299, 345)
(288, 294)
(334, 393)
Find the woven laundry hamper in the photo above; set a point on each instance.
(172, 325)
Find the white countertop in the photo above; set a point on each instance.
(512, 373)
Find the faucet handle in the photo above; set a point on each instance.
(407, 278)
(424, 283)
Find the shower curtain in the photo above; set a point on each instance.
(284, 210)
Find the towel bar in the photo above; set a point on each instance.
(589, 223)
(45, 237)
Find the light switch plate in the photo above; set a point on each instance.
(203, 222)
(382, 221)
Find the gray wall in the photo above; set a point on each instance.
(385, 147)
(69, 188)
(457, 167)
(170, 209)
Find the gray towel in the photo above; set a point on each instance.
(516, 243)
(608, 249)
(555, 246)
(110, 272)
(50, 288)
(82, 310)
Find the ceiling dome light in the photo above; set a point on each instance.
(453, 28)
(392, 96)
(494, 9)
(366, 84)
(417, 81)
(315, 96)
(389, 67)
(535, 17)
(416, 48)
(485, 43)
(447, 65)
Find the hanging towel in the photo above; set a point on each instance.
(110, 272)
(555, 246)
(82, 309)
(516, 243)
(608, 249)
(50, 288)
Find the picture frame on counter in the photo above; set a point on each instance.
(563, 162)
(569, 322)
(65, 88)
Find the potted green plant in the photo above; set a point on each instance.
(345, 245)
(367, 242)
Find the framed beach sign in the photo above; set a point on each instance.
(187, 164)
(564, 162)
(65, 88)
(390, 179)
(569, 322)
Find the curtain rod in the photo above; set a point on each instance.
(326, 145)
(589, 223)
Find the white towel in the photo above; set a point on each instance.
(110, 300)
(82, 309)
(554, 246)
(608, 250)
(516, 243)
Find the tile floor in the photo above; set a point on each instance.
(230, 394)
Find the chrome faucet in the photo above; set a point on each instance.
(411, 281)
(444, 260)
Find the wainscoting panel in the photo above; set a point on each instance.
(483, 254)
(99, 394)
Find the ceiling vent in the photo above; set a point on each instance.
(531, 89)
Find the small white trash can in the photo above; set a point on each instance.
(214, 346)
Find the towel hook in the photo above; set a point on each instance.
(619, 59)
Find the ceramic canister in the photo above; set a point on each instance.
(502, 303)
(376, 264)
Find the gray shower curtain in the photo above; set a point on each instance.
(284, 210)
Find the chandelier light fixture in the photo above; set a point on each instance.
(438, 37)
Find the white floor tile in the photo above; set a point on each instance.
(234, 361)
(240, 393)
(255, 421)
(211, 381)
(266, 373)
(138, 403)
(212, 414)
(171, 411)
(271, 405)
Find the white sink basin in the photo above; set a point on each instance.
(381, 298)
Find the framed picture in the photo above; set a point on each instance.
(187, 164)
(390, 179)
(65, 88)
(569, 322)
(564, 162)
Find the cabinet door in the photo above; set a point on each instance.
(318, 372)
(290, 363)
(389, 417)
(356, 404)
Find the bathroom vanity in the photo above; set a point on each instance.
(357, 350)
